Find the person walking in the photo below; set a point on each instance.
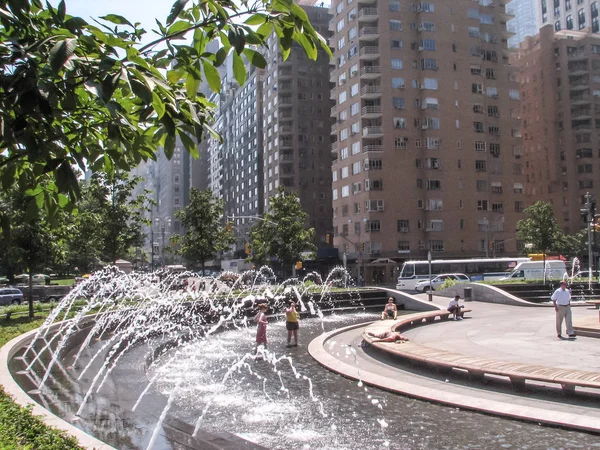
(561, 298)
(261, 330)
(292, 324)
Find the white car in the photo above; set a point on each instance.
(438, 281)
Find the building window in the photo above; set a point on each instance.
(396, 63)
(395, 25)
(569, 22)
(482, 205)
(436, 246)
(403, 226)
(557, 25)
(404, 246)
(396, 44)
(581, 18)
(393, 6)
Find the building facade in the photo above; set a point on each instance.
(524, 23)
(427, 132)
(568, 14)
(559, 73)
(296, 127)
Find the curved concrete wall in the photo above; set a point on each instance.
(410, 302)
(487, 293)
(20, 397)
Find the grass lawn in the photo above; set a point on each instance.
(65, 282)
(19, 429)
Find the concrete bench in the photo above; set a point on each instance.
(595, 303)
(477, 368)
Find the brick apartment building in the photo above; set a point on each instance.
(427, 133)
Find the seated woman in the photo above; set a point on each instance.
(388, 336)
(390, 311)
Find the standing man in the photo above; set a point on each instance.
(562, 305)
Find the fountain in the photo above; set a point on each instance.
(161, 350)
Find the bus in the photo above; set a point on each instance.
(476, 268)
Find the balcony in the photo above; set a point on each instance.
(372, 132)
(286, 129)
(371, 91)
(285, 100)
(581, 114)
(334, 129)
(368, 33)
(333, 111)
(578, 55)
(286, 143)
(370, 72)
(580, 100)
(579, 84)
(332, 94)
(285, 73)
(578, 69)
(370, 112)
(368, 53)
(372, 148)
(368, 15)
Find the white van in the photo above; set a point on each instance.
(535, 270)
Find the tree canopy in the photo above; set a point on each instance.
(540, 228)
(282, 232)
(205, 232)
(91, 95)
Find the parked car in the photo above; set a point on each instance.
(10, 296)
(438, 281)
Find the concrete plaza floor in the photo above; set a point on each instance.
(493, 331)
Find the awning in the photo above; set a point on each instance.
(382, 261)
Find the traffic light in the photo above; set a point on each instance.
(299, 265)
(247, 248)
(229, 227)
(327, 238)
(362, 247)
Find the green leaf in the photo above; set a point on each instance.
(62, 9)
(178, 27)
(255, 58)
(239, 71)
(188, 143)
(158, 105)
(61, 53)
(192, 84)
(169, 147)
(142, 91)
(256, 19)
(115, 18)
(212, 75)
(175, 10)
(220, 56)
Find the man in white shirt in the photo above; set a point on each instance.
(562, 305)
(455, 308)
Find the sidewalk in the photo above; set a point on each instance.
(492, 331)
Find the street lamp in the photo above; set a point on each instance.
(429, 291)
(486, 224)
(163, 225)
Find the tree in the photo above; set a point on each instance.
(111, 218)
(282, 232)
(540, 229)
(74, 94)
(27, 244)
(205, 234)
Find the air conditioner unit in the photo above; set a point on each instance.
(424, 127)
(354, 73)
(353, 16)
(402, 86)
(421, 48)
(404, 230)
(343, 81)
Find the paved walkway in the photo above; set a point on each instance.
(507, 333)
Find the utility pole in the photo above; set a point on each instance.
(587, 213)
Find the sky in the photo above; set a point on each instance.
(143, 11)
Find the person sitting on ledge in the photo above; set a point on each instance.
(390, 311)
(455, 308)
(388, 336)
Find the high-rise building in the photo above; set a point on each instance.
(524, 23)
(559, 75)
(427, 133)
(568, 14)
(296, 127)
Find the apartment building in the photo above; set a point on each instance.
(524, 21)
(427, 132)
(568, 14)
(559, 73)
(296, 127)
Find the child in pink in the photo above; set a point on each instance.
(261, 320)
